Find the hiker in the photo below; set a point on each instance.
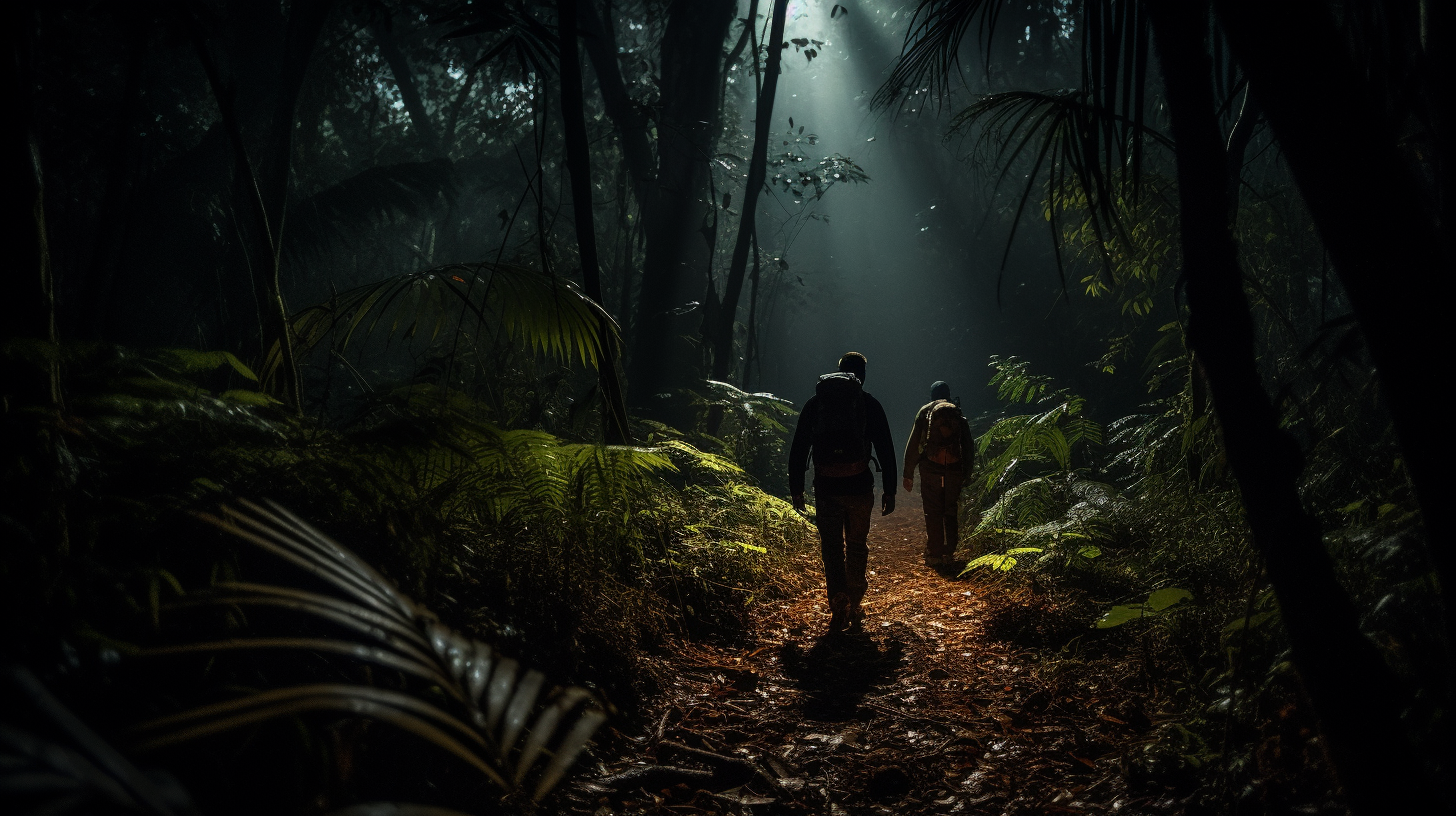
(840, 424)
(940, 446)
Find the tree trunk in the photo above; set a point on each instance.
(404, 78)
(687, 128)
(1353, 691)
(751, 353)
(601, 48)
(578, 165)
(1371, 214)
(720, 336)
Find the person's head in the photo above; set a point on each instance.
(940, 390)
(853, 363)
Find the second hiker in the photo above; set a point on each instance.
(940, 446)
(839, 425)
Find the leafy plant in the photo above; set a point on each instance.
(495, 732)
(71, 769)
(1158, 601)
(754, 432)
(1048, 436)
(485, 301)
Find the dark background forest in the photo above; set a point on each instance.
(517, 300)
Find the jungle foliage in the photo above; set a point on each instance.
(305, 270)
(1231, 478)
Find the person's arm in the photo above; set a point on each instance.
(799, 452)
(878, 428)
(912, 447)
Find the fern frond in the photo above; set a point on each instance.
(710, 462)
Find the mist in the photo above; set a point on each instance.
(907, 268)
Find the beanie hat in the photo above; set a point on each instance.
(939, 390)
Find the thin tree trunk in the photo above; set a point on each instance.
(751, 354)
(404, 78)
(1354, 693)
(1372, 216)
(578, 165)
(721, 335)
(600, 42)
(263, 188)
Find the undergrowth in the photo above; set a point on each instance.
(1132, 552)
(579, 559)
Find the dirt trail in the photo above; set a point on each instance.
(920, 712)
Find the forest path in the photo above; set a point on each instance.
(920, 712)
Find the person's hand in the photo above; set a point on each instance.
(909, 482)
(798, 500)
(887, 505)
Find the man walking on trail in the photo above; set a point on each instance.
(840, 424)
(940, 445)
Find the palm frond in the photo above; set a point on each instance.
(550, 315)
(505, 28)
(374, 197)
(1071, 137)
(931, 53)
(496, 735)
(76, 770)
(749, 405)
(1091, 138)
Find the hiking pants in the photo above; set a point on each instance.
(940, 490)
(844, 526)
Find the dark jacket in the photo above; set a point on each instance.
(877, 431)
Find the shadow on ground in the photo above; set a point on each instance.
(837, 672)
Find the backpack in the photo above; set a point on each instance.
(840, 446)
(944, 446)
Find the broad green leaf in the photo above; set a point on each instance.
(1118, 615)
(1164, 598)
(1089, 551)
(1253, 622)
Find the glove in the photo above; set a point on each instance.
(887, 505)
(909, 483)
(798, 499)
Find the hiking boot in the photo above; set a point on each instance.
(938, 561)
(838, 611)
(856, 616)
